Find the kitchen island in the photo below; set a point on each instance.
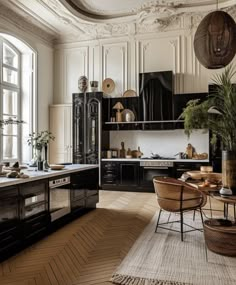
(38, 175)
(31, 208)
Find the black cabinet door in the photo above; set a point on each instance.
(34, 211)
(9, 221)
(181, 167)
(34, 198)
(86, 127)
(78, 128)
(129, 174)
(110, 173)
(84, 190)
(92, 131)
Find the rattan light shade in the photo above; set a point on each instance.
(215, 40)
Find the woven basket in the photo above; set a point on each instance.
(220, 239)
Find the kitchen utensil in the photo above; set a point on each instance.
(108, 85)
(129, 93)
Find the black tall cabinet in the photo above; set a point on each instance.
(87, 127)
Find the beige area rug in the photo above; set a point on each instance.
(162, 259)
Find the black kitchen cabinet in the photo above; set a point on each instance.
(87, 112)
(181, 100)
(84, 190)
(129, 174)
(25, 214)
(110, 173)
(119, 175)
(9, 221)
(181, 167)
(34, 211)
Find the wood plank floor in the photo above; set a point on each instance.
(88, 250)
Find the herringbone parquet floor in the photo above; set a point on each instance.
(86, 251)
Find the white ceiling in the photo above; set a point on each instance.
(73, 20)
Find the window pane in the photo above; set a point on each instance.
(10, 76)
(9, 147)
(9, 102)
(9, 56)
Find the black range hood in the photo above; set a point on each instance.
(156, 96)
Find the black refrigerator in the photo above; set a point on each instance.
(86, 130)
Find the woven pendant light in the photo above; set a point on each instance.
(215, 40)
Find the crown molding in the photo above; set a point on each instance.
(66, 27)
(26, 24)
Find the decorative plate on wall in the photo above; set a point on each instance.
(129, 93)
(108, 85)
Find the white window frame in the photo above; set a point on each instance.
(12, 87)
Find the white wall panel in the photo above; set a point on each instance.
(94, 65)
(160, 54)
(114, 65)
(76, 65)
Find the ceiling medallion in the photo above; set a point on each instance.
(215, 40)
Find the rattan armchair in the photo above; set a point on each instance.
(178, 197)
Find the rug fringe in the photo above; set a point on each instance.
(132, 280)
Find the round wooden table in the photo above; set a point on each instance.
(227, 200)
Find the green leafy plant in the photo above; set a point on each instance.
(39, 140)
(10, 121)
(217, 113)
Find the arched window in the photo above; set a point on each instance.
(17, 98)
(10, 100)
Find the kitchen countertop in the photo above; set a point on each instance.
(36, 175)
(140, 159)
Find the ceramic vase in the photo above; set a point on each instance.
(45, 163)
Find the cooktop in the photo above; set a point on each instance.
(159, 157)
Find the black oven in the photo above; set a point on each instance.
(151, 169)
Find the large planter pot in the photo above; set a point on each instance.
(229, 170)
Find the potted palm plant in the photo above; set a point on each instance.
(218, 114)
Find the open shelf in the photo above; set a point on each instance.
(144, 125)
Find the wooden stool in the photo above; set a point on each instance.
(220, 238)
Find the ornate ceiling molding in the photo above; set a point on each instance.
(25, 23)
(60, 25)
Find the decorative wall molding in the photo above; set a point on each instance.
(60, 25)
(121, 50)
(25, 23)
